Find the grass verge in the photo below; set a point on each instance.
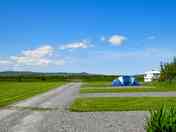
(120, 103)
(151, 87)
(15, 91)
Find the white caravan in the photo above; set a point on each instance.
(151, 75)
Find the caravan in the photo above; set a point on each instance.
(151, 75)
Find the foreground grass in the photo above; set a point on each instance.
(120, 103)
(151, 87)
(11, 92)
(162, 120)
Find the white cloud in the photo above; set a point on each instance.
(103, 38)
(76, 45)
(41, 56)
(151, 37)
(5, 62)
(117, 40)
(39, 52)
(34, 57)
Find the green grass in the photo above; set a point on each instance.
(162, 120)
(120, 103)
(11, 92)
(97, 84)
(105, 88)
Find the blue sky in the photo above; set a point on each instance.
(96, 36)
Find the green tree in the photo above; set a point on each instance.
(168, 70)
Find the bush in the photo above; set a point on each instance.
(162, 120)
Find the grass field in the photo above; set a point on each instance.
(11, 92)
(105, 87)
(120, 103)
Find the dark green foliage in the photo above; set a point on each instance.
(43, 78)
(168, 71)
(19, 79)
(162, 120)
(139, 78)
(23, 77)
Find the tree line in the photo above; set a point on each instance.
(31, 78)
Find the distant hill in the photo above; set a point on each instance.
(16, 73)
(29, 73)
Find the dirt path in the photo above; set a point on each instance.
(48, 113)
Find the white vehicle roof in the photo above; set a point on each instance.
(152, 72)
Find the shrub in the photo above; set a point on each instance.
(162, 120)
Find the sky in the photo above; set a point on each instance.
(94, 36)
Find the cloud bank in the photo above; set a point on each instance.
(41, 56)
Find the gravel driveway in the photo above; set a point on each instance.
(48, 113)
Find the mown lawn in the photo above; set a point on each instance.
(120, 103)
(97, 84)
(11, 92)
(106, 88)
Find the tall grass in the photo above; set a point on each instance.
(162, 120)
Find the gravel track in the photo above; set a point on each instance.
(137, 94)
(27, 119)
